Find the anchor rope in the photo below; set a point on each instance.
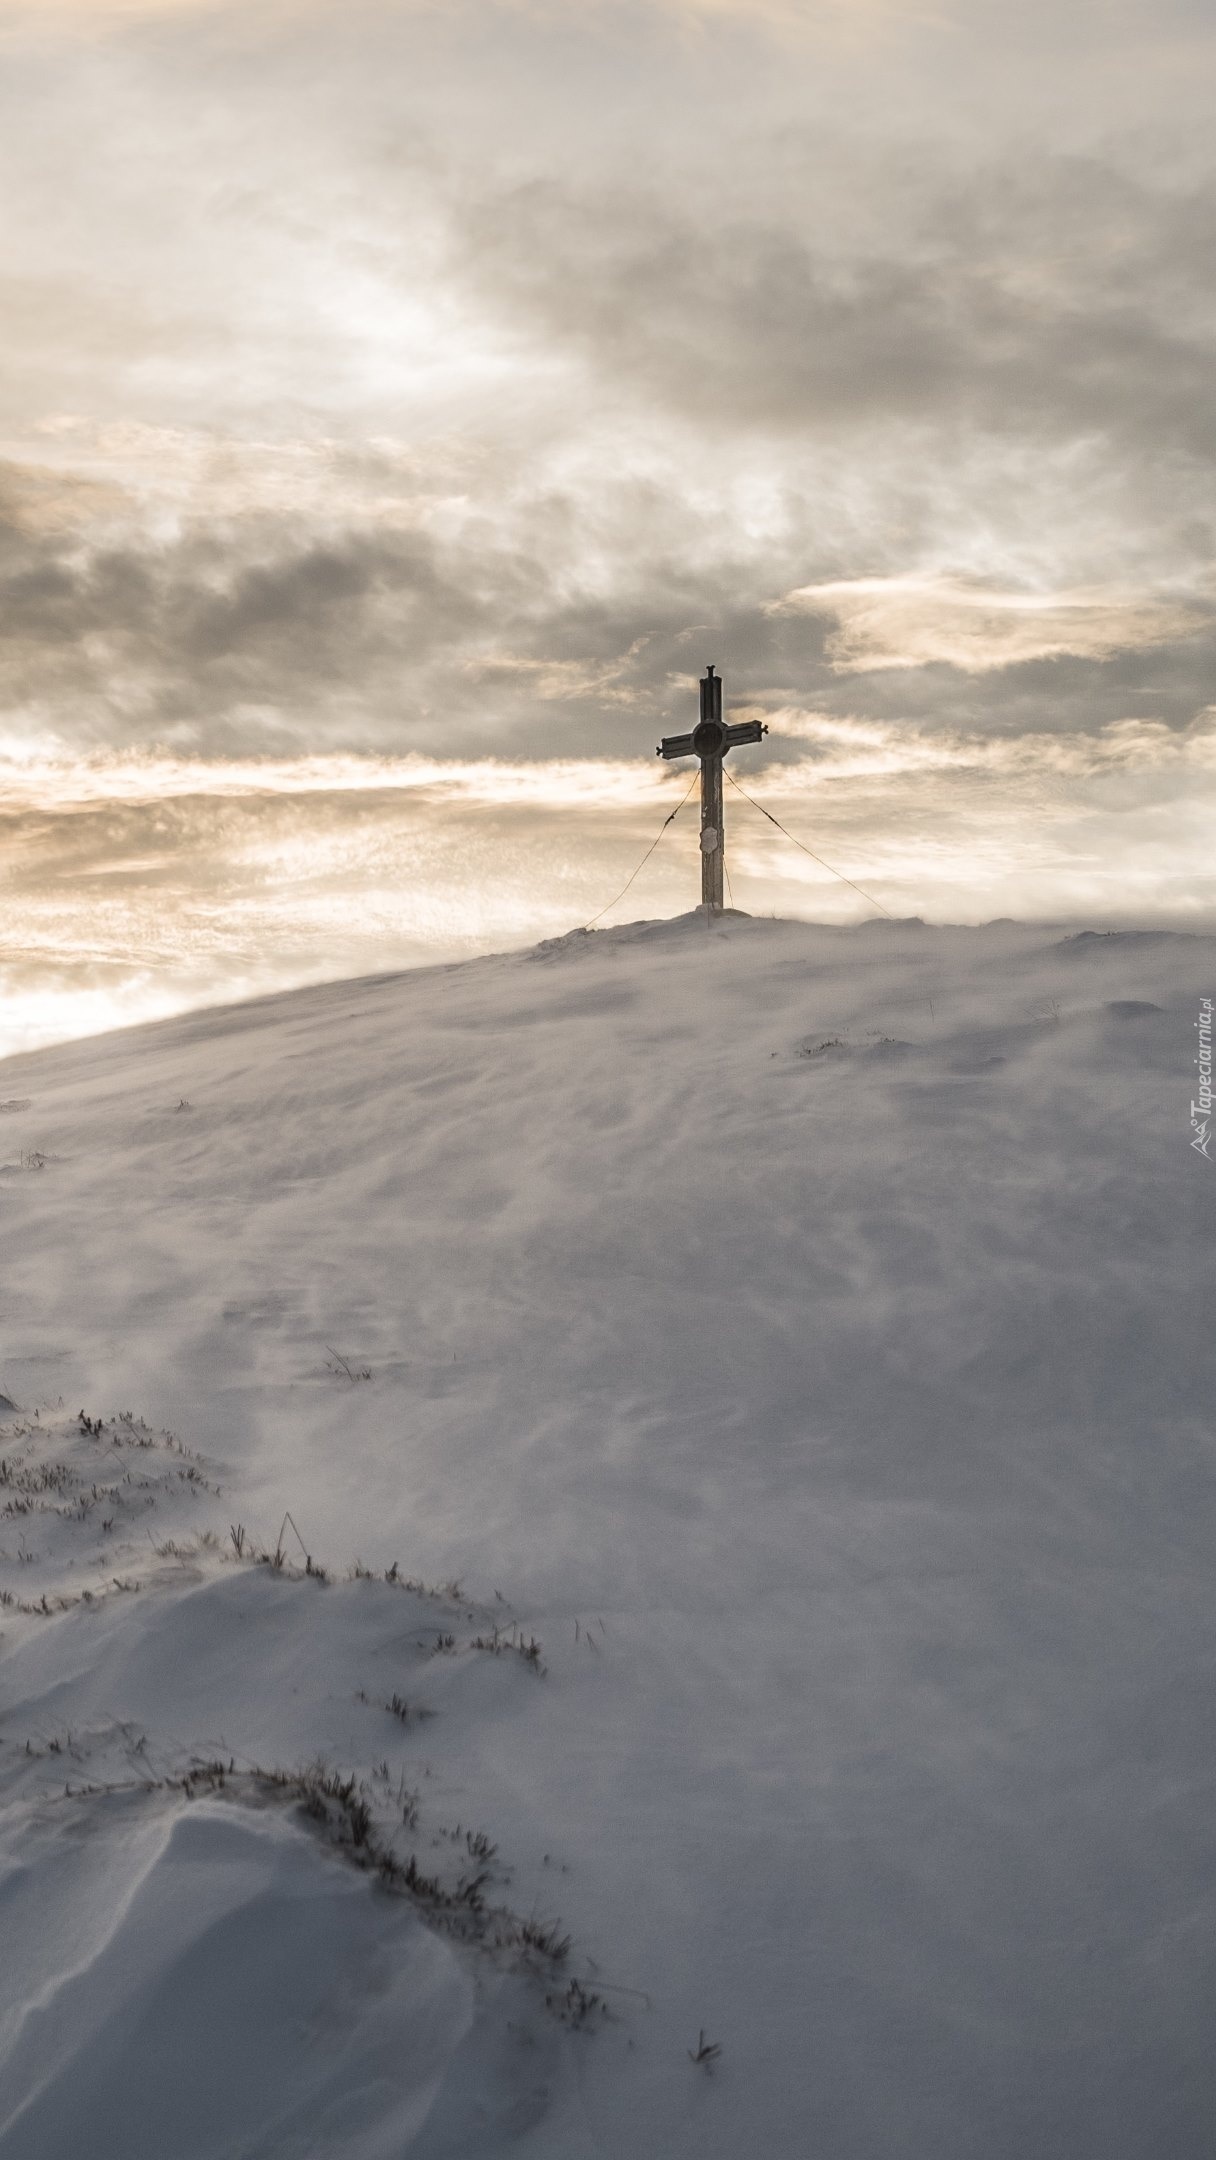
(806, 850)
(668, 820)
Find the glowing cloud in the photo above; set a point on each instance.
(908, 622)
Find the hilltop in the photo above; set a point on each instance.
(741, 1398)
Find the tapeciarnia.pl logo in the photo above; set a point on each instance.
(1201, 1111)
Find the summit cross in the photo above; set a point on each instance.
(710, 740)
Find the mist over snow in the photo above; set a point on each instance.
(644, 1496)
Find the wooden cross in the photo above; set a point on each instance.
(710, 741)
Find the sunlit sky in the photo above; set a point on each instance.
(401, 404)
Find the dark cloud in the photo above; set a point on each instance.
(1060, 305)
(375, 639)
(187, 635)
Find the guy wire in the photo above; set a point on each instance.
(806, 850)
(646, 857)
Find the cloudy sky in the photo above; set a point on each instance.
(401, 403)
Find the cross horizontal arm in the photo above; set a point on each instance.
(742, 731)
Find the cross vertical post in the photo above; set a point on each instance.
(709, 744)
(710, 740)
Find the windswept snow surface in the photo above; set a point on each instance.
(804, 1336)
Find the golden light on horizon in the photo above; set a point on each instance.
(136, 886)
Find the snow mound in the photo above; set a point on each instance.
(166, 1964)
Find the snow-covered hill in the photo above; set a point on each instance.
(796, 1346)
